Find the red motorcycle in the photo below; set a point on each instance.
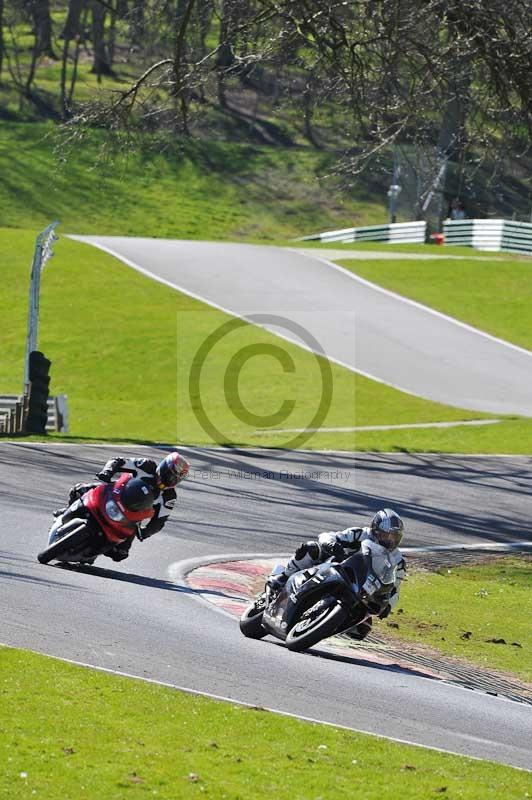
(105, 516)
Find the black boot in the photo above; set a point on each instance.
(361, 630)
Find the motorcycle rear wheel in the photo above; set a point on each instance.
(72, 539)
(251, 622)
(310, 630)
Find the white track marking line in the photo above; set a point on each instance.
(481, 546)
(382, 255)
(180, 569)
(202, 299)
(223, 698)
(359, 428)
(419, 306)
(250, 450)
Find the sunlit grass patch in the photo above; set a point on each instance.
(71, 732)
(478, 613)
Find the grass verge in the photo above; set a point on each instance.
(398, 247)
(123, 347)
(192, 190)
(478, 613)
(75, 733)
(494, 295)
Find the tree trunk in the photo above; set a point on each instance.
(101, 64)
(71, 31)
(205, 12)
(308, 107)
(182, 18)
(112, 38)
(1, 35)
(137, 16)
(452, 135)
(40, 11)
(71, 28)
(83, 25)
(225, 58)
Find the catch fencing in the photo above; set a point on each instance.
(490, 234)
(394, 233)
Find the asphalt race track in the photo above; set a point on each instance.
(355, 323)
(131, 618)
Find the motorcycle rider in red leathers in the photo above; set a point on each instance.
(162, 477)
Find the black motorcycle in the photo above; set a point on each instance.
(330, 598)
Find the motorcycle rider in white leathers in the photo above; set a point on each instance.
(386, 528)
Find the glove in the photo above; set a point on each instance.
(333, 549)
(78, 490)
(105, 475)
(276, 582)
(145, 464)
(385, 611)
(153, 526)
(109, 469)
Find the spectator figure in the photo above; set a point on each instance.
(456, 210)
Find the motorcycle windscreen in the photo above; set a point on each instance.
(358, 565)
(381, 563)
(383, 569)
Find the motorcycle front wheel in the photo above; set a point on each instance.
(251, 622)
(317, 622)
(76, 534)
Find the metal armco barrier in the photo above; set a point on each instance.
(407, 232)
(14, 410)
(490, 234)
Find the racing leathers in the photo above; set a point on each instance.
(340, 544)
(143, 468)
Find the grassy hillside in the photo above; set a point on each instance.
(193, 190)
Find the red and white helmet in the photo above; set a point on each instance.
(172, 470)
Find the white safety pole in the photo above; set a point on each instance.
(43, 252)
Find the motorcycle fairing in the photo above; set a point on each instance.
(368, 574)
(298, 591)
(78, 554)
(95, 500)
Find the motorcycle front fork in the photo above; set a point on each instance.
(71, 512)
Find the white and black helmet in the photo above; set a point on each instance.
(387, 528)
